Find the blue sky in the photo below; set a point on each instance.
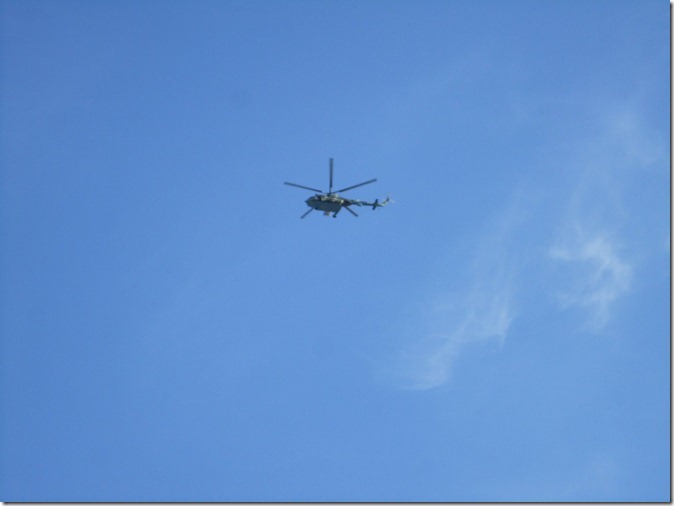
(172, 331)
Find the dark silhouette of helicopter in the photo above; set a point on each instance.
(331, 202)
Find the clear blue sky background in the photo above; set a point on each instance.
(171, 330)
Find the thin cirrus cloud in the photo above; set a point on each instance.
(599, 277)
(485, 317)
(591, 270)
(480, 311)
(591, 248)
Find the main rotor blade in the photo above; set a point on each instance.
(304, 187)
(352, 212)
(355, 186)
(330, 190)
(310, 209)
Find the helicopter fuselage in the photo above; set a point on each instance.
(327, 203)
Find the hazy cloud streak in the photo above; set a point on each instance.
(596, 271)
(599, 276)
(479, 312)
(580, 221)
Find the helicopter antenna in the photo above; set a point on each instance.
(330, 190)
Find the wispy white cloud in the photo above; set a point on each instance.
(597, 277)
(576, 250)
(479, 311)
(486, 317)
(596, 271)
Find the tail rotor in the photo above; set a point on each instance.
(377, 204)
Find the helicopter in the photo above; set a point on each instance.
(331, 202)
